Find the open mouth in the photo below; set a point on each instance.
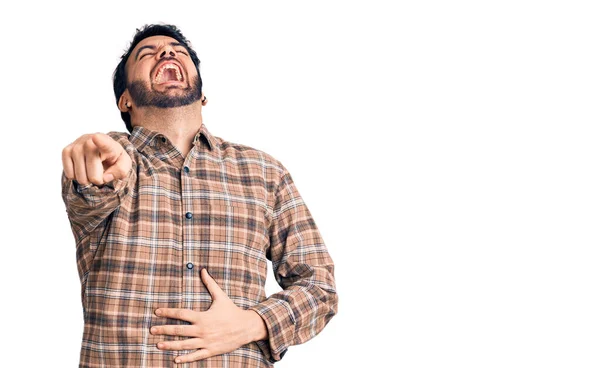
(168, 72)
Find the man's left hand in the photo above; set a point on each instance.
(224, 327)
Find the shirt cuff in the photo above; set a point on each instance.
(94, 193)
(281, 327)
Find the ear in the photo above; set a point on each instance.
(124, 100)
(202, 98)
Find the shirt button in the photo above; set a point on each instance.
(188, 215)
(190, 265)
(186, 169)
(163, 139)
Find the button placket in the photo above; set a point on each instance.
(189, 253)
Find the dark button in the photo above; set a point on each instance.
(190, 265)
(126, 190)
(188, 215)
(163, 139)
(186, 169)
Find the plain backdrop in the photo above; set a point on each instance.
(448, 151)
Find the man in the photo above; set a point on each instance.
(174, 227)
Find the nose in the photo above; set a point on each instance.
(167, 49)
(171, 53)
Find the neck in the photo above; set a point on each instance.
(179, 124)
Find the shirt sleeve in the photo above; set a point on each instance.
(305, 271)
(88, 205)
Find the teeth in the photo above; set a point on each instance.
(168, 66)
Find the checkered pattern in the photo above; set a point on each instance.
(227, 207)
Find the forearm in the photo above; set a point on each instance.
(87, 206)
(297, 313)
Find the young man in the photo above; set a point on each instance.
(174, 228)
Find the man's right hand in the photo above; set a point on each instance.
(95, 158)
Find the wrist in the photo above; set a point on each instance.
(257, 328)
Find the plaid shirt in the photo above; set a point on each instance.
(142, 240)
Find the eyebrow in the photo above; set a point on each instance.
(152, 47)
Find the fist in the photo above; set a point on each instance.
(95, 158)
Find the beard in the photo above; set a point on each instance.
(142, 96)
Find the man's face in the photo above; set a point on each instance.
(161, 73)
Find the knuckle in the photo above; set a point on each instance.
(76, 150)
(82, 138)
(89, 145)
(186, 345)
(66, 152)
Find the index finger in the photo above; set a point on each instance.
(177, 313)
(104, 143)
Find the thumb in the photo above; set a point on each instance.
(119, 169)
(213, 288)
(108, 177)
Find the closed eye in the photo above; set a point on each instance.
(142, 56)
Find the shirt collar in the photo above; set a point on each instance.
(141, 137)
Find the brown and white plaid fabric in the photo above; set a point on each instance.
(142, 241)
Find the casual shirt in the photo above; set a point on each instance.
(142, 240)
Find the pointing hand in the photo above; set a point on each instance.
(95, 158)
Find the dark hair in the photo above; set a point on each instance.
(148, 30)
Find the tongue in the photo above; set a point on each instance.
(169, 75)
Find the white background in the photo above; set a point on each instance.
(448, 151)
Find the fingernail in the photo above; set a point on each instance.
(158, 312)
(177, 360)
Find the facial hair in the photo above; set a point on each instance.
(143, 96)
